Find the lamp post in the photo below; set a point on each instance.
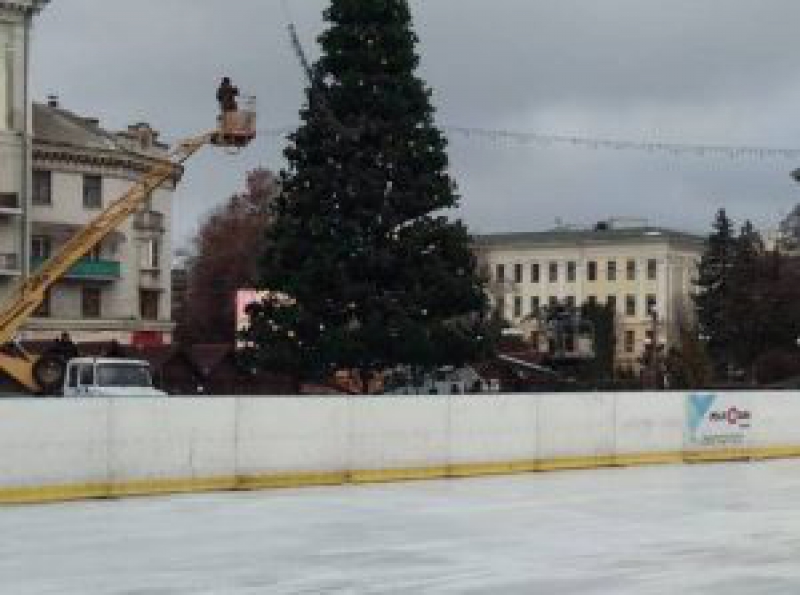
(655, 363)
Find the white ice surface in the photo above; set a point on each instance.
(728, 528)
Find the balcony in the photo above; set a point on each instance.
(149, 221)
(9, 265)
(9, 204)
(89, 270)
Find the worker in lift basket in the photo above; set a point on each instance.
(226, 95)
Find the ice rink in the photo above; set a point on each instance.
(727, 528)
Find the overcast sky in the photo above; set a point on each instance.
(695, 71)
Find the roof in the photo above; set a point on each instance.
(61, 127)
(61, 134)
(524, 361)
(571, 237)
(108, 360)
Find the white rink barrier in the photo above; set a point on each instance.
(67, 449)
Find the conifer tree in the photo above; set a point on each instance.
(748, 312)
(713, 291)
(368, 272)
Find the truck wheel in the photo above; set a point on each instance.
(49, 371)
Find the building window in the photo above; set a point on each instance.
(148, 304)
(611, 270)
(535, 304)
(517, 306)
(500, 272)
(41, 248)
(611, 302)
(591, 271)
(630, 305)
(42, 191)
(553, 272)
(591, 300)
(149, 254)
(571, 302)
(631, 270)
(552, 302)
(9, 200)
(500, 307)
(652, 269)
(535, 273)
(652, 304)
(572, 272)
(90, 302)
(517, 273)
(630, 341)
(92, 192)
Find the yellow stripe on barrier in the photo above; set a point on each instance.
(292, 480)
(54, 493)
(148, 487)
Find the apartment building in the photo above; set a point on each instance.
(122, 289)
(639, 269)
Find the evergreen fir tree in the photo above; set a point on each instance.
(747, 311)
(603, 320)
(713, 291)
(377, 276)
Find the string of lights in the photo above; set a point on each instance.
(543, 140)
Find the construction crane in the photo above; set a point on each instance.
(41, 374)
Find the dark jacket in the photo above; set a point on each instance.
(226, 95)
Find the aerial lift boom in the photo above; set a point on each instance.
(42, 373)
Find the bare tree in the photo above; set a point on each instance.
(224, 258)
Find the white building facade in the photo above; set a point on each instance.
(16, 18)
(121, 290)
(640, 270)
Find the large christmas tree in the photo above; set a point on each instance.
(368, 272)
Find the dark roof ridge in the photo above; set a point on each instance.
(590, 234)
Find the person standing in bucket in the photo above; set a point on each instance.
(226, 95)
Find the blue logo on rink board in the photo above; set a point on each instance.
(717, 420)
(699, 406)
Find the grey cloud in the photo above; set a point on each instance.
(694, 70)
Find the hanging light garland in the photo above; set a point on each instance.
(587, 142)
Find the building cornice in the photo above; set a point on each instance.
(131, 165)
(23, 6)
(549, 240)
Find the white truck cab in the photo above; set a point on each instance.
(109, 377)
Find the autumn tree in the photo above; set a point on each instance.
(222, 261)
